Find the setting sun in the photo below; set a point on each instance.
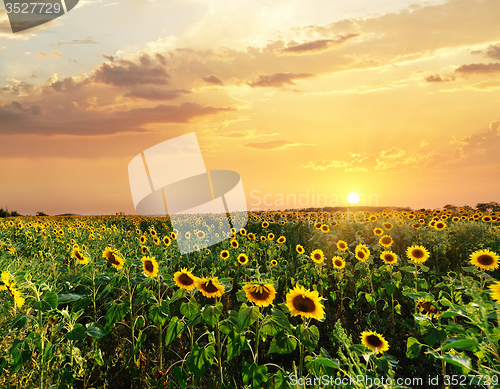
(353, 197)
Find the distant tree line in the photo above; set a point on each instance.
(492, 206)
(4, 213)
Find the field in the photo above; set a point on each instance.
(295, 299)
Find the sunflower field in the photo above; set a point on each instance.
(393, 299)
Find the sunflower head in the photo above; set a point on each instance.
(185, 279)
(317, 256)
(300, 249)
(113, 258)
(417, 253)
(224, 254)
(210, 287)
(338, 262)
(242, 259)
(484, 259)
(385, 241)
(281, 240)
(274, 262)
(305, 303)
(234, 244)
(427, 308)
(374, 341)
(495, 291)
(389, 257)
(261, 294)
(76, 253)
(342, 245)
(362, 252)
(150, 266)
(387, 226)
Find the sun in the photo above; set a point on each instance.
(353, 197)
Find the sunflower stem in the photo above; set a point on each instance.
(257, 337)
(160, 329)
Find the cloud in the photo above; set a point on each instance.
(128, 73)
(18, 120)
(18, 88)
(493, 51)
(476, 142)
(152, 93)
(392, 153)
(240, 134)
(55, 53)
(68, 84)
(214, 80)
(423, 143)
(86, 41)
(319, 45)
(438, 78)
(278, 79)
(273, 145)
(479, 68)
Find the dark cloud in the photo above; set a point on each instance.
(127, 73)
(68, 84)
(152, 93)
(272, 145)
(493, 51)
(110, 58)
(161, 59)
(438, 78)
(319, 45)
(480, 68)
(278, 79)
(16, 119)
(214, 80)
(21, 88)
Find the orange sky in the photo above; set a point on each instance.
(398, 101)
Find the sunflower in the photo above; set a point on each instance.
(417, 253)
(251, 236)
(281, 240)
(440, 226)
(143, 239)
(187, 235)
(387, 226)
(305, 303)
(113, 258)
(78, 255)
(300, 249)
(317, 256)
(173, 235)
(338, 262)
(265, 224)
(374, 341)
(389, 257)
(270, 236)
(210, 287)
(495, 291)
(224, 254)
(150, 266)
(234, 244)
(385, 241)
(10, 286)
(185, 279)
(362, 252)
(200, 234)
(325, 228)
(341, 245)
(416, 226)
(260, 294)
(427, 308)
(484, 259)
(167, 241)
(263, 238)
(242, 259)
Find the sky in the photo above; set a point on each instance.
(398, 101)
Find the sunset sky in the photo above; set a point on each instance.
(399, 100)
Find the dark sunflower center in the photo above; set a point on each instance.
(418, 253)
(78, 255)
(224, 255)
(485, 259)
(148, 265)
(338, 262)
(389, 258)
(242, 259)
(317, 256)
(361, 254)
(439, 225)
(209, 287)
(374, 341)
(304, 304)
(386, 240)
(184, 279)
(258, 295)
(342, 246)
(112, 259)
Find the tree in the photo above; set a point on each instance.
(41, 214)
(449, 206)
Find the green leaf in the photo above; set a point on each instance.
(48, 302)
(283, 344)
(413, 347)
(95, 330)
(308, 336)
(174, 329)
(434, 336)
(227, 283)
(80, 304)
(235, 346)
(115, 313)
(77, 333)
(280, 381)
(190, 309)
(247, 316)
(180, 293)
(97, 356)
(19, 323)
(211, 313)
(370, 299)
(381, 363)
(159, 313)
(67, 298)
(458, 343)
(140, 340)
(181, 376)
(254, 375)
(390, 288)
(326, 362)
(457, 360)
(200, 359)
